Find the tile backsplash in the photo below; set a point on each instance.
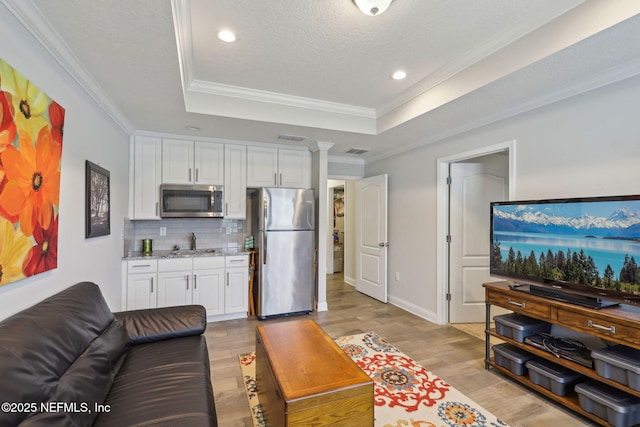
(210, 233)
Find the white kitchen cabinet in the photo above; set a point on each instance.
(262, 167)
(294, 168)
(208, 284)
(175, 281)
(147, 154)
(141, 284)
(192, 162)
(278, 167)
(235, 181)
(174, 288)
(219, 283)
(199, 280)
(236, 295)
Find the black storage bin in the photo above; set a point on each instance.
(558, 379)
(512, 358)
(517, 326)
(620, 409)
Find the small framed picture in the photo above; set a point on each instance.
(98, 219)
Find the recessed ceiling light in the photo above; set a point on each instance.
(398, 75)
(227, 36)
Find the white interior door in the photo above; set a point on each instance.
(371, 236)
(474, 184)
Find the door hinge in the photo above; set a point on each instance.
(448, 296)
(448, 238)
(449, 180)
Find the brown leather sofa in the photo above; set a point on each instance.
(70, 361)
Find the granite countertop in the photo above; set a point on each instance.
(184, 253)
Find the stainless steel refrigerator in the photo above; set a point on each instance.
(284, 221)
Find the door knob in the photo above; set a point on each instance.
(383, 245)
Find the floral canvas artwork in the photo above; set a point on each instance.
(31, 129)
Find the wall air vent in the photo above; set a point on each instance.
(357, 151)
(292, 137)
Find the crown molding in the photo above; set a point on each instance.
(181, 11)
(35, 23)
(280, 99)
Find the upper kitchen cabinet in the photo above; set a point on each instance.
(146, 177)
(192, 162)
(235, 181)
(278, 167)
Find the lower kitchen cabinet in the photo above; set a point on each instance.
(237, 289)
(141, 291)
(174, 288)
(142, 280)
(220, 284)
(208, 290)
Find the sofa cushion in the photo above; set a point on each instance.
(163, 323)
(163, 383)
(67, 348)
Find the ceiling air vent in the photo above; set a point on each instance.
(291, 137)
(357, 151)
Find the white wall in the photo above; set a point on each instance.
(89, 135)
(588, 145)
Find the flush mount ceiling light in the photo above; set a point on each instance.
(399, 75)
(372, 7)
(227, 36)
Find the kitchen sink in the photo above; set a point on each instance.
(193, 252)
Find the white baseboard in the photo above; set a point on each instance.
(414, 309)
(350, 280)
(323, 307)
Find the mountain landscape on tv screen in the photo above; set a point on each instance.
(623, 223)
(592, 244)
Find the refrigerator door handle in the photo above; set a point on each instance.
(263, 245)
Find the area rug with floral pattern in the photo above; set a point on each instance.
(405, 393)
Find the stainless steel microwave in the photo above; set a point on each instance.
(191, 201)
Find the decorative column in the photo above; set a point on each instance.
(319, 172)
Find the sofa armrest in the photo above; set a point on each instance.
(156, 324)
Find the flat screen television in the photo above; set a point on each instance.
(580, 250)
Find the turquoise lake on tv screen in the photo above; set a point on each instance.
(603, 251)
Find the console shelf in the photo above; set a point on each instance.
(620, 324)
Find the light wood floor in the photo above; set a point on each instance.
(450, 353)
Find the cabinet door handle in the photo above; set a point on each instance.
(281, 179)
(227, 279)
(275, 179)
(187, 277)
(226, 209)
(611, 329)
(189, 174)
(517, 304)
(141, 265)
(195, 282)
(157, 208)
(151, 286)
(196, 174)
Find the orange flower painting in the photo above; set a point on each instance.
(31, 131)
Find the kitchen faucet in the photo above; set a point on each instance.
(193, 241)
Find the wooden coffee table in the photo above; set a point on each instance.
(304, 379)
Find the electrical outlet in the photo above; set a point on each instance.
(163, 231)
(397, 276)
